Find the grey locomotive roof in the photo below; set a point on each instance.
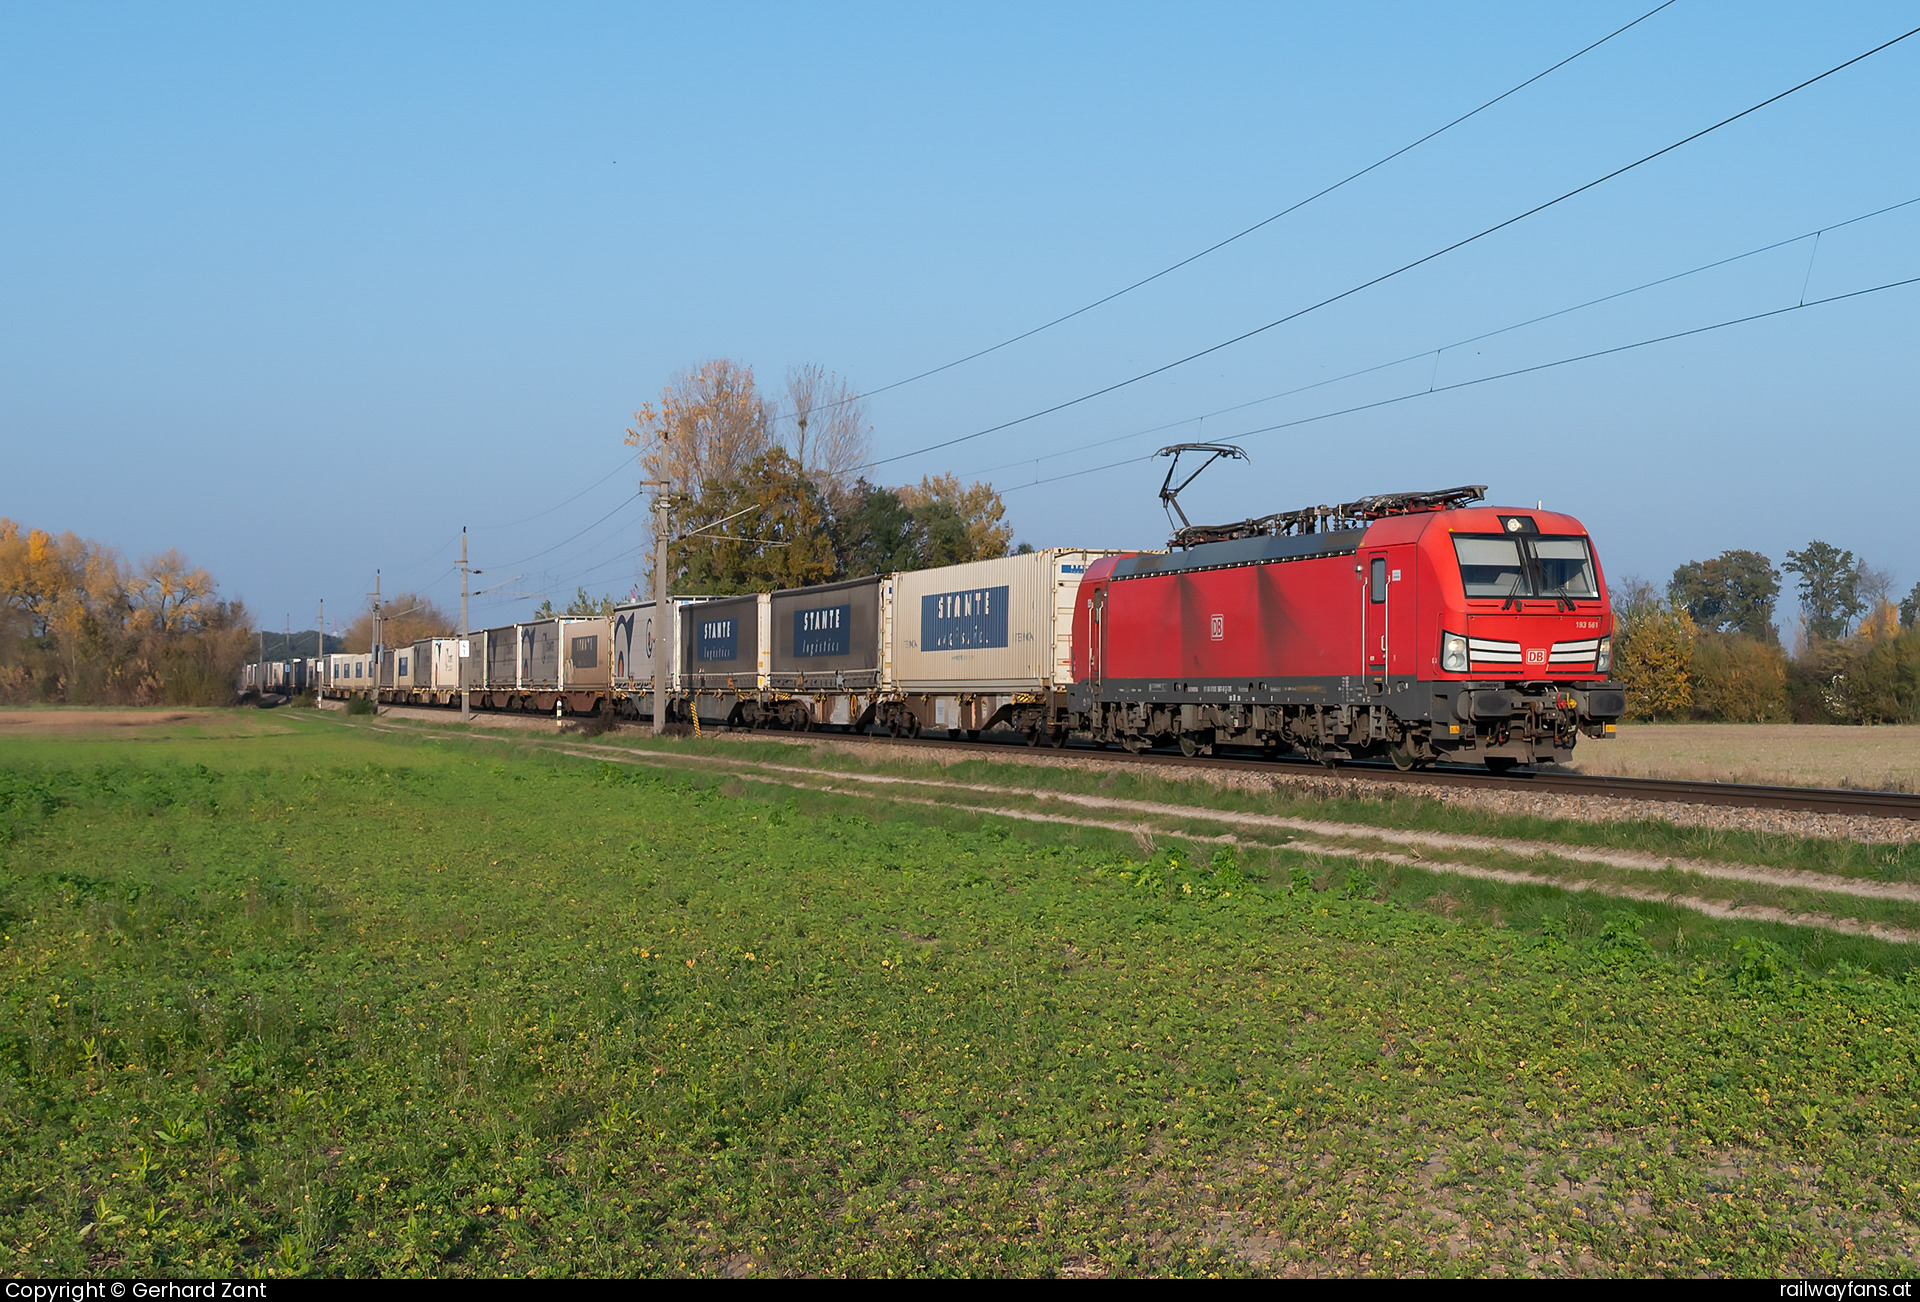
(1242, 551)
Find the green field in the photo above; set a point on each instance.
(320, 999)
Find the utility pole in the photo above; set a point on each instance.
(662, 611)
(466, 644)
(320, 650)
(375, 594)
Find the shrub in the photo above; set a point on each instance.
(1653, 656)
(362, 705)
(1738, 679)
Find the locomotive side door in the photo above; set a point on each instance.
(1375, 618)
(1097, 642)
(1386, 626)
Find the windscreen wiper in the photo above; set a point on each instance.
(1513, 593)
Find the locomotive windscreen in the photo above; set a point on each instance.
(1503, 566)
(1565, 566)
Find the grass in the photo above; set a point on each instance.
(331, 1001)
(1877, 861)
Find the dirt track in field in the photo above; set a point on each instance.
(51, 722)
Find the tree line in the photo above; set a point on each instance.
(761, 509)
(81, 625)
(1708, 648)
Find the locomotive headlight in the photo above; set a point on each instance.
(1603, 661)
(1453, 653)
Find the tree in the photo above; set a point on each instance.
(1653, 657)
(874, 532)
(1829, 589)
(581, 606)
(1910, 608)
(831, 436)
(766, 528)
(957, 524)
(711, 422)
(405, 618)
(76, 625)
(1732, 593)
(170, 594)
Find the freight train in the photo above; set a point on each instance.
(1414, 626)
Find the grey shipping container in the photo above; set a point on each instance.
(503, 657)
(826, 637)
(540, 654)
(721, 644)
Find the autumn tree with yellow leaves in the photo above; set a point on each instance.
(78, 624)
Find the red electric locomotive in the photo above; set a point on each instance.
(1414, 625)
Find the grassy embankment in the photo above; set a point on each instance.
(342, 1002)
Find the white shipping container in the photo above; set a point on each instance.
(446, 663)
(991, 626)
(634, 640)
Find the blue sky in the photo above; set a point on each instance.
(303, 291)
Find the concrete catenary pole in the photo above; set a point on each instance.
(662, 611)
(320, 652)
(373, 685)
(466, 679)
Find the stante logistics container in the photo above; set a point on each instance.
(1003, 625)
(723, 644)
(826, 638)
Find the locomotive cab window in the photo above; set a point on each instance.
(1528, 566)
(1377, 581)
(1490, 567)
(1565, 567)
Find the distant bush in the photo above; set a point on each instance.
(1653, 656)
(361, 705)
(1738, 679)
(1871, 677)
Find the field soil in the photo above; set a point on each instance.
(105, 722)
(1783, 754)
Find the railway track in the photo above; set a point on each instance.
(1814, 800)
(1810, 800)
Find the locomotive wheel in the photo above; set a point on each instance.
(1188, 746)
(1059, 738)
(1033, 736)
(973, 734)
(1403, 757)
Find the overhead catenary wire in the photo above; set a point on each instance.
(1109, 441)
(1216, 246)
(1397, 271)
(625, 503)
(625, 462)
(1503, 375)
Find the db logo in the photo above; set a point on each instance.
(1219, 627)
(1536, 655)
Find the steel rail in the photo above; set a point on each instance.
(1806, 800)
(1811, 800)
